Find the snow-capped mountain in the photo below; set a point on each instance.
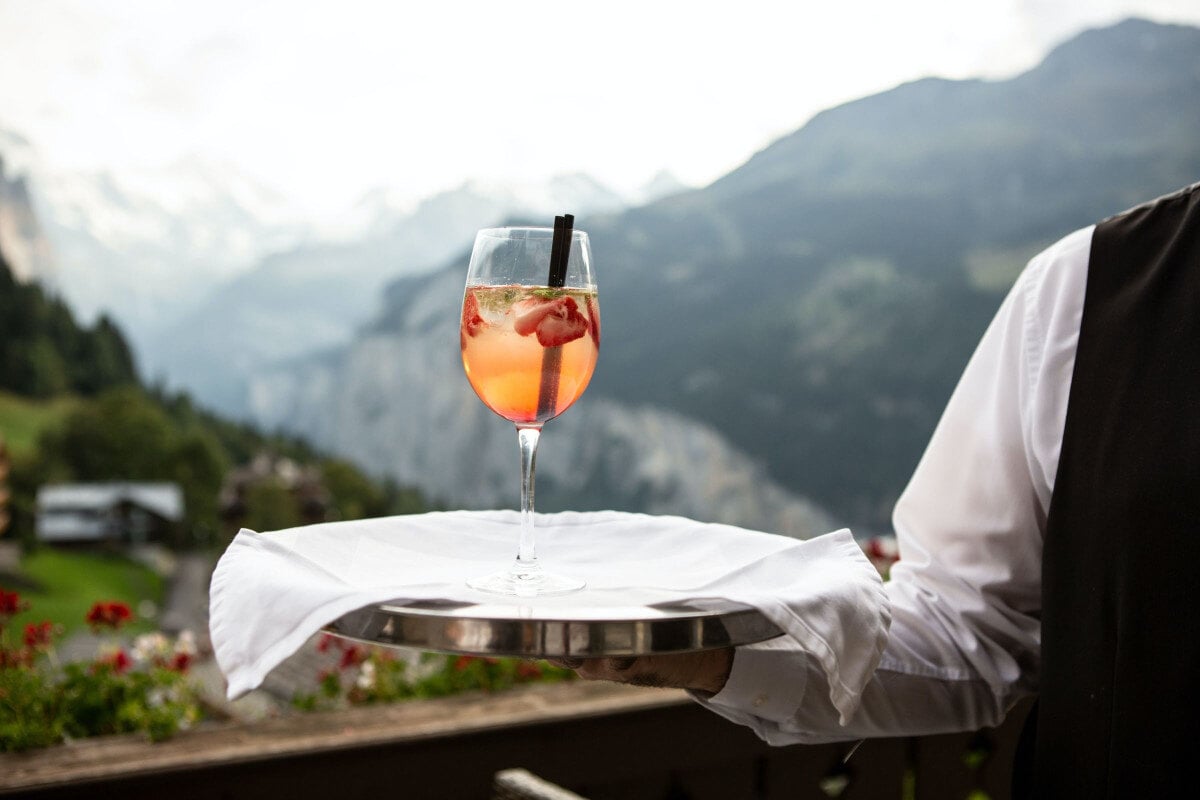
(142, 245)
(380, 208)
(145, 245)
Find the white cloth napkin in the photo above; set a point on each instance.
(271, 591)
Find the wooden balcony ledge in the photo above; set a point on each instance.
(602, 741)
(221, 747)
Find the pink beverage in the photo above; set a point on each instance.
(513, 336)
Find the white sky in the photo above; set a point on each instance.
(325, 100)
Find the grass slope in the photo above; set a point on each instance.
(22, 420)
(68, 583)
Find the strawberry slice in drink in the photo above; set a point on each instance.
(472, 320)
(556, 321)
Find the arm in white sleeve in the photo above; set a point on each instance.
(964, 641)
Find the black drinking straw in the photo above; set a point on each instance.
(560, 252)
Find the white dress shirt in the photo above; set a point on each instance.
(966, 594)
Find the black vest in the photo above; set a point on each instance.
(1119, 706)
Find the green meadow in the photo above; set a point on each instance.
(61, 586)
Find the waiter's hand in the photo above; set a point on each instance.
(705, 671)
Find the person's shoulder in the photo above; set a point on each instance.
(1059, 272)
(1186, 196)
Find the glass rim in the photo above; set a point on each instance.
(538, 232)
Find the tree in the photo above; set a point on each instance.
(102, 358)
(119, 436)
(355, 496)
(44, 352)
(271, 506)
(125, 435)
(198, 465)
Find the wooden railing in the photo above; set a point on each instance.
(602, 741)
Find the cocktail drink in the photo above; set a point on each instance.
(508, 336)
(530, 336)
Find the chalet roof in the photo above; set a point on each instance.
(163, 499)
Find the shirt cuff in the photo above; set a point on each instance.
(767, 682)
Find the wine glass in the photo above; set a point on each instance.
(530, 336)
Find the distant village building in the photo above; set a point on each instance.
(109, 513)
(307, 502)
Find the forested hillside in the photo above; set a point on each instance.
(44, 352)
(104, 425)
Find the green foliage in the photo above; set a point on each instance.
(407, 500)
(129, 434)
(120, 435)
(123, 434)
(99, 700)
(43, 370)
(68, 583)
(44, 352)
(41, 706)
(271, 506)
(240, 442)
(457, 674)
(368, 675)
(30, 710)
(355, 495)
(104, 357)
(198, 466)
(22, 420)
(358, 496)
(102, 426)
(43, 703)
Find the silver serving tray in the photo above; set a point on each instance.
(531, 632)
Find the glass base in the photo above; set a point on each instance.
(523, 581)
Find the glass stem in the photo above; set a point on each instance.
(527, 438)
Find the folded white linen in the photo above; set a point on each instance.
(271, 591)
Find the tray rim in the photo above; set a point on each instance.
(459, 628)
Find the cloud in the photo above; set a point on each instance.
(325, 100)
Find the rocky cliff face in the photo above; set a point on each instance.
(24, 245)
(397, 402)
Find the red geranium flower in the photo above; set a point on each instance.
(462, 662)
(110, 614)
(180, 662)
(118, 662)
(38, 635)
(528, 670)
(10, 603)
(351, 656)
